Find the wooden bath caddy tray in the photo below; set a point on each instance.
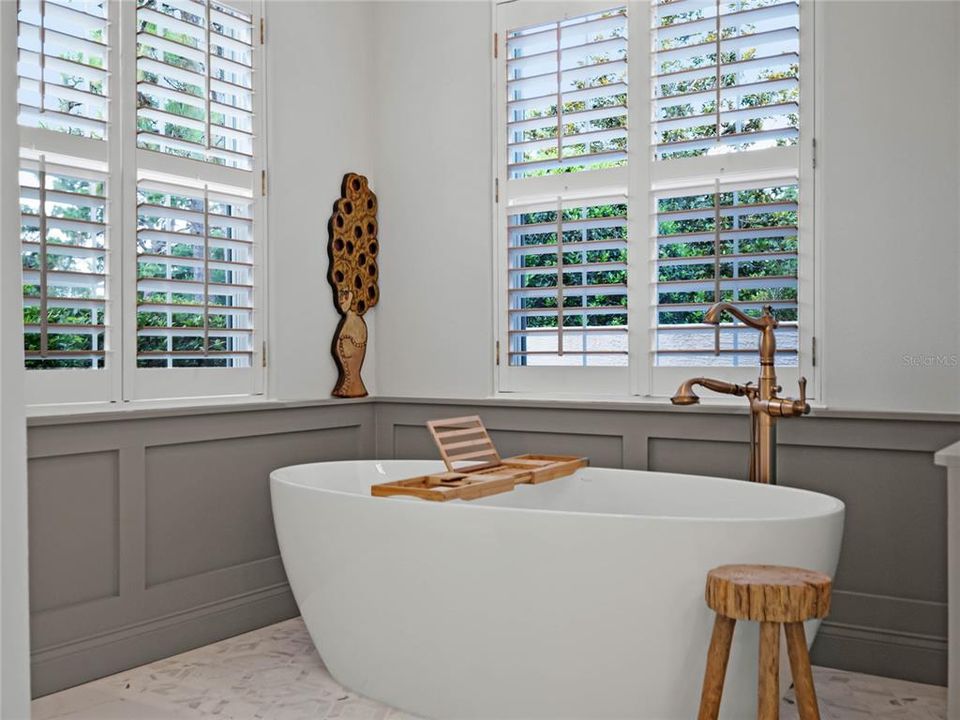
(465, 440)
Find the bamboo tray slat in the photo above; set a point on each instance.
(462, 439)
(447, 486)
(546, 467)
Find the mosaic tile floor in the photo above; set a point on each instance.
(274, 673)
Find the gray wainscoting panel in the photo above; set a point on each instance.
(153, 534)
(215, 495)
(896, 518)
(73, 515)
(698, 457)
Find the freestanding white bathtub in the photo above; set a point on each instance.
(579, 598)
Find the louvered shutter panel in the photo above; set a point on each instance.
(730, 242)
(564, 266)
(725, 76)
(568, 283)
(195, 81)
(195, 279)
(63, 237)
(567, 95)
(63, 66)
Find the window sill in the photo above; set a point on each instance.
(582, 401)
(38, 415)
(708, 406)
(105, 412)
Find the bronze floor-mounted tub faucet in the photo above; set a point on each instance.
(765, 406)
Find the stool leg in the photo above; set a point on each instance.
(716, 671)
(768, 689)
(802, 675)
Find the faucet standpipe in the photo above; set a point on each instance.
(765, 405)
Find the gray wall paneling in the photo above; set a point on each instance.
(153, 535)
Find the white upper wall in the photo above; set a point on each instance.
(319, 94)
(888, 185)
(433, 123)
(888, 148)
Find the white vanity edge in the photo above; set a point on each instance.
(949, 457)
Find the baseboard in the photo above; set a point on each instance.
(918, 658)
(87, 659)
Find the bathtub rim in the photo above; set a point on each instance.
(838, 507)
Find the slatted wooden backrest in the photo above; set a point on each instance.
(464, 439)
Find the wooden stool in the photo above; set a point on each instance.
(773, 596)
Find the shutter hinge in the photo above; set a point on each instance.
(813, 351)
(496, 44)
(496, 190)
(263, 183)
(263, 30)
(814, 152)
(263, 353)
(498, 353)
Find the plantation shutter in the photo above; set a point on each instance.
(195, 277)
(567, 284)
(199, 190)
(726, 76)
(63, 238)
(195, 81)
(63, 66)
(726, 177)
(563, 184)
(567, 95)
(66, 88)
(735, 243)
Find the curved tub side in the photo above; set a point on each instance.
(451, 613)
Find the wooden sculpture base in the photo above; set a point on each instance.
(349, 348)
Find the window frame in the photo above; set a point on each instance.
(121, 381)
(643, 177)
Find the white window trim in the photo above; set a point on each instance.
(121, 381)
(641, 378)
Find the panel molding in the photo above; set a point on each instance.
(76, 541)
(212, 493)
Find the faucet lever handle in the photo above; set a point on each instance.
(802, 405)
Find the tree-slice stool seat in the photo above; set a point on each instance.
(771, 595)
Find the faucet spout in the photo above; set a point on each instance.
(765, 320)
(766, 324)
(686, 396)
